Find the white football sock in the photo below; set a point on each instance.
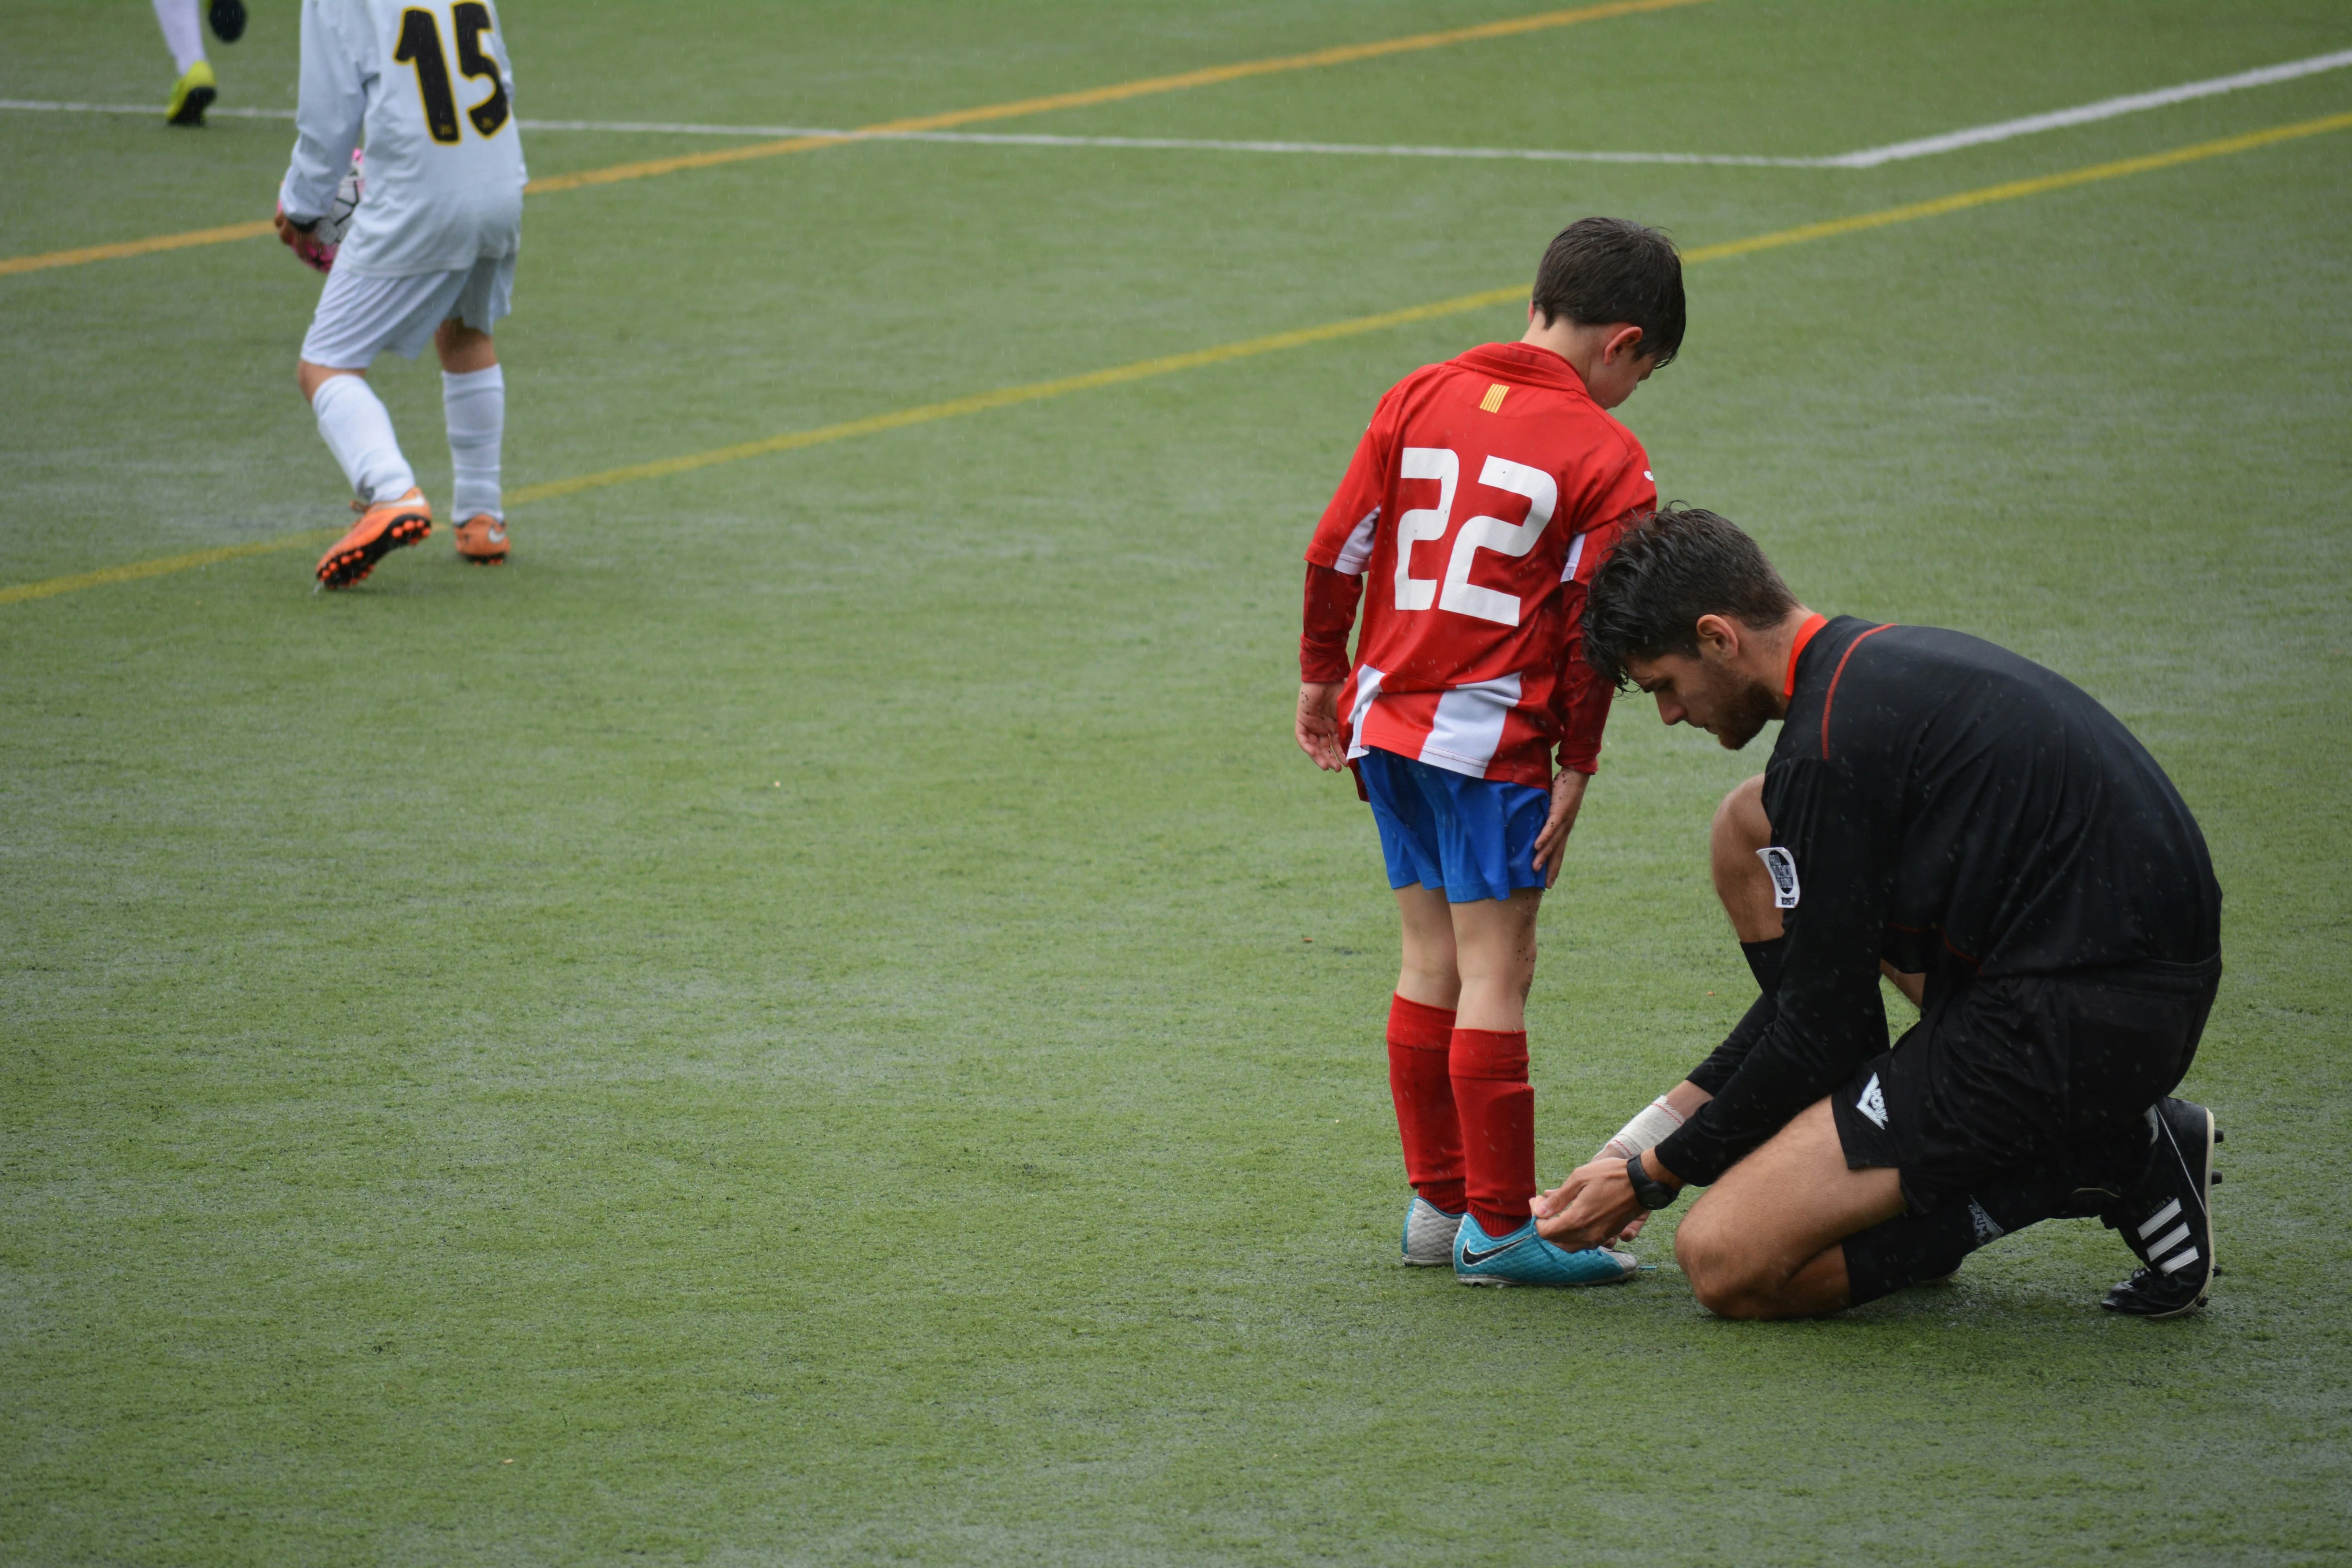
(358, 431)
(182, 34)
(476, 406)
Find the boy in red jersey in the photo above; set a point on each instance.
(1480, 501)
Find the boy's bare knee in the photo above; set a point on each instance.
(309, 377)
(462, 348)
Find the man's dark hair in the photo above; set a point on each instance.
(1602, 269)
(1668, 570)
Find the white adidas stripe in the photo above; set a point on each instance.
(2159, 1248)
(2164, 1216)
(2174, 1265)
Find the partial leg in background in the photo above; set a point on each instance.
(182, 32)
(195, 91)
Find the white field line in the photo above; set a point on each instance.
(2105, 109)
(1867, 158)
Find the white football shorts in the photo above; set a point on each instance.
(360, 318)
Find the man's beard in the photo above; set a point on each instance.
(1744, 717)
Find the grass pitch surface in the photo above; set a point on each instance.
(818, 1016)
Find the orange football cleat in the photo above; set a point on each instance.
(482, 541)
(382, 528)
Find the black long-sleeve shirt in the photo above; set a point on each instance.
(1953, 808)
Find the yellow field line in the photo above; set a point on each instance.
(147, 246)
(1344, 53)
(2014, 189)
(1248, 348)
(1006, 397)
(131, 572)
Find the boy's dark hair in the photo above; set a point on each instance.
(1604, 270)
(1668, 570)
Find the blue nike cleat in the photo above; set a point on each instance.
(1523, 1257)
(1429, 1234)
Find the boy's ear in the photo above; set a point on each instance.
(1624, 342)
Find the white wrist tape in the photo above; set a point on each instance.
(1656, 1123)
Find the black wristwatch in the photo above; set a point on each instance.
(1649, 1193)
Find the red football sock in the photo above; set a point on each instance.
(1497, 1108)
(1421, 1043)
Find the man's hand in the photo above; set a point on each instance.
(300, 237)
(1613, 1150)
(1594, 1204)
(1319, 724)
(1551, 844)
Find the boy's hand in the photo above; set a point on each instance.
(300, 238)
(1319, 724)
(1551, 844)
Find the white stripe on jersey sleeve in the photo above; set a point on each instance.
(1368, 687)
(1575, 554)
(1359, 548)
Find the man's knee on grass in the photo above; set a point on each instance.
(1728, 1274)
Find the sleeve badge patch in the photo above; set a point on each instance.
(1781, 867)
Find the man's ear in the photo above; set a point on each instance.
(1624, 342)
(1718, 636)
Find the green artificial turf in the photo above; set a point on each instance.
(819, 1016)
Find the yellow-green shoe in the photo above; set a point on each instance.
(192, 96)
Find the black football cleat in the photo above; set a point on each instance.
(2167, 1218)
(228, 20)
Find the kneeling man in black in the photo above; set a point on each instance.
(1941, 810)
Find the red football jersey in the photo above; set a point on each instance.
(1481, 500)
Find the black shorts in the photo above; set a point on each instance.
(2027, 1077)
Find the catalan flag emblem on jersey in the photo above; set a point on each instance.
(1492, 402)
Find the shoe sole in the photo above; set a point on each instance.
(2205, 1196)
(192, 108)
(342, 570)
(1494, 1282)
(472, 560)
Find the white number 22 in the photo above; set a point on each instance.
(1460, 595)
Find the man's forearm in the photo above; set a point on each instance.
(1656, 1122)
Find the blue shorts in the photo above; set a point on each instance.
(1473, 837)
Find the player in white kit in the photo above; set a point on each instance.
(429, 255)
(197, 86)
